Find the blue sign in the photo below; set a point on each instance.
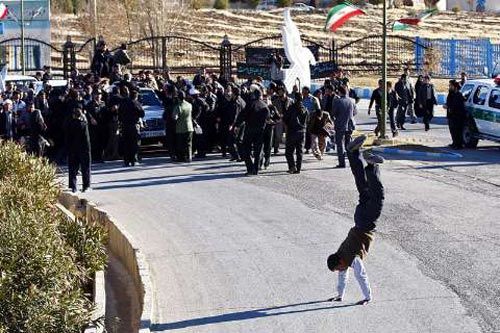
(1, 28)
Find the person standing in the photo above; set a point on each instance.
(281, 102)
(343, 113)
(129, 114)
(317, 124)
(426, 100)
(392, 103)
(169, 97)
(255, 116)
(183, 128)
(7, 121)
(96, 116)
(405, 96)
(377, 100)
(230, 107)
(311, 104)
(294, 119)
(37, 129)
(201, 122)
(78, 148)
(410, 111)
(456, 114)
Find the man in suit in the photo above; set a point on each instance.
(343, 112)
(426, 99)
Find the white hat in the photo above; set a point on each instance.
(193, 91)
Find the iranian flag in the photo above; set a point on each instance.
(4, 11)
(339, 14)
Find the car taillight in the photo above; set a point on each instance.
(497, 80)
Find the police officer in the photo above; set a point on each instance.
(130, 113)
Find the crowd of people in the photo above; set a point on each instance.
(98, 116)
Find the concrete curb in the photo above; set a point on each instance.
(389, 150)
(99, 288)
(123, 246)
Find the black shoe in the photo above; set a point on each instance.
(340, 166)
(356, 143)
(296, 172)
(403, 128)
(292, 170)
(427, 127)
(371, 158)
(74, 190)
(86, 189)
(395, 134)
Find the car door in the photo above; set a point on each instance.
(494, 112)
(479, 108)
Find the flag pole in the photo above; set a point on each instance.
(22, 39)
(383, 111)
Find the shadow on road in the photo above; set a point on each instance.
(250, 314)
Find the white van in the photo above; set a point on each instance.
(483, 108)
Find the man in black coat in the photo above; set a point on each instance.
(456, 114)
(294, 119)
(78, 148)
(98, 125)
(255, 115)
(426, 99)
(201, 118)
(129, 114)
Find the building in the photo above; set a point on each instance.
(36, 27)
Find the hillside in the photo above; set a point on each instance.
(243, 26)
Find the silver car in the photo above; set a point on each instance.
(153, 130)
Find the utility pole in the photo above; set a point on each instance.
(383, 112)
(94, 4)
(22, 39)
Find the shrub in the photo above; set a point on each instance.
(254, 3)
(221, 4)
(45, 260)
(456, 9)
(197, 4)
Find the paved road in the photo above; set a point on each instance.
(236, 254)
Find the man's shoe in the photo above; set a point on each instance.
(395, 134)
(74, 190)
(414, 121)
(296, 172)
(340, 166)
(403, 128)
(356, 143)
(292, 170)
(86, 190)
(371, 158)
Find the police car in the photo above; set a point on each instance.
(483, 109)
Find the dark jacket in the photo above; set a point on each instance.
(456, 106)
(422, 95)
(255, 115)
(130, 112)
(405, 92)
(77, 136)
(318, 121)
(295, 118)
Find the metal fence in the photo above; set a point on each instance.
(449, 57)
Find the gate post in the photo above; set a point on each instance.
(69, 57)
(453, 58)
(332, 51)
(225, 59)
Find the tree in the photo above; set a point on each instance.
(221, 4)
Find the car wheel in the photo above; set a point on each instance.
(469, 134)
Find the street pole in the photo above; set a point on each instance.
(22, 39)
(383, 112)
(95, 18)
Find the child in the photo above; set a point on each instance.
(371, 198)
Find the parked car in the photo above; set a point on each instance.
(302, 7)
(483, 109)
(59, 85)
(21, 82)
(153, 130)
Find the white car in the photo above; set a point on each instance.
(266, 5)
(20, 81)
(302, 7)
(483, 109)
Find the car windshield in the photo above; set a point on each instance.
(149, 98)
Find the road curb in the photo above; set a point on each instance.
(125, 248)
(390, 150)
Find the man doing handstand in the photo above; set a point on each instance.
(371, 198)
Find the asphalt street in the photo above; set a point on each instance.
(230, 253)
